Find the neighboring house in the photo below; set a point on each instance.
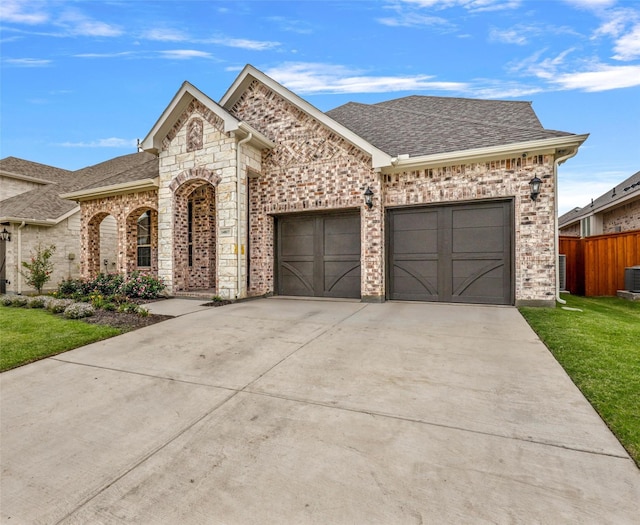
(33, 213)
(618, 210)
(419, 198)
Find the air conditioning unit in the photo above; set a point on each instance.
(562, 272)
(632, 279)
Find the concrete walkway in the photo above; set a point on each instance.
(280, 411)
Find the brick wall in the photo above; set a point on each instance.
(313, 169)
(626, 217)
(310, 169)
(125, 209)
(571, 231)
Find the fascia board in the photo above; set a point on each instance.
(603, 208)
(249, 73)
(549, 145)
(258, 139)
(187, 92)
(115, 189)
(35, 222)
(26, 178)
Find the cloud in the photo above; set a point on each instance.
(414, 20)
(291, 25)
(184, 54)
(314, 78)
(78, 24)
(470, 5)
(591, 4)
(28, 62)
(243, 43)
(509, 36)
(112, 142)
(603, 78)
(118, 54)
(628, 46)
(164, 35)
(21, 12)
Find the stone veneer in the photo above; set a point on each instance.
(312, 169)
(184, 160)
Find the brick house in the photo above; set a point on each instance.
(615, 211)
(32, 213)
(419, 198)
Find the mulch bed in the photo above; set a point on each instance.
(126, 322)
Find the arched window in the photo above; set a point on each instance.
(144, 239)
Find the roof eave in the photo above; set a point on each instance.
(152, 143)
(114, 189)
(26, 178)
(537, 147)
(379, 158)
(41, 222)
(588, 210)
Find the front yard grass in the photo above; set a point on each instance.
(599, 348)
(29, 334)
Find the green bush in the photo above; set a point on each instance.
(39, 268)
(37, 301)
(57, 306)
(112, 287)
(6, 300)
(79, 310)
(140, 286)
(19, 300)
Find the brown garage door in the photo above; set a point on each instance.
(458, 254)
(319, 255)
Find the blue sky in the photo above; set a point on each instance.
(82, 80)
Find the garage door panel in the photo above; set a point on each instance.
(468, 257)
(471, 240)
(342, 279)
(319, 255)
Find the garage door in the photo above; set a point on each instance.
(458, 254)
(319, 255)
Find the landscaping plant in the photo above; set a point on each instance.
(39, 268)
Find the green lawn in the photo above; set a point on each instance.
(28, 335)
(599, 348)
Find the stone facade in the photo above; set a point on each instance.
(65, 236)
(10, 187)
(571, 231)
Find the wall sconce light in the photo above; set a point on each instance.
(368, 197)
(535, 184)
(5, 235)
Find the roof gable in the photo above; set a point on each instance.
(250, 74)
(32, 171)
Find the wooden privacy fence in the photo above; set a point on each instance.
(595, 265)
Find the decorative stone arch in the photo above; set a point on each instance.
(194, 230)
(131, 242)
(203, 174)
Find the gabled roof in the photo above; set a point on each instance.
(250, 73)
(181, 100)
(45, 205)
(417, 131)
(628, 189)
(421, 125)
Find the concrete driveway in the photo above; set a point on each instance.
(296, 411)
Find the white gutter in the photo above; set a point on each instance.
(556, 163)
(238, 213)
(401, 163)
(105, 191)
(20, 257)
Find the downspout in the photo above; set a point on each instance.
(239, 214)
(19, 262)
(556, 163)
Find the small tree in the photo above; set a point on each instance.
(39, 268)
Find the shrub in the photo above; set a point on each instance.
(39, 268)
(140, 286)
(79, 310)
(19, 300)
(57, 306)
(73, 288)
(106, 284)
(6, 300)
(37, 301)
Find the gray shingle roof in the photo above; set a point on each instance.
(630, 186)
(33, 169)
(44, 203)
(422, 125)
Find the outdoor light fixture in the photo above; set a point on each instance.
(368, 197)
(5, 235)
(535, 184)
